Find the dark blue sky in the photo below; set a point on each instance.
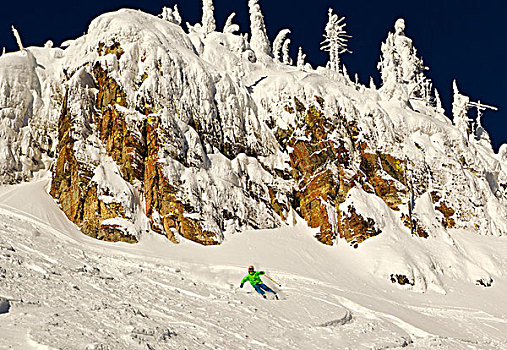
(460, 39)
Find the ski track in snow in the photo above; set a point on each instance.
(67, 291)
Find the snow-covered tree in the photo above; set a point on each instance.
(286, 54)
(195, 28)
(171, 15)
(301, 59)
(502, 152)
(401, 70)
(346, 75)
(426, 88)
(259, 41)
(335, 40)
(372, 84)
(460, 106)
(438, 103)
(18, 38)
(208, 16)
(229, 26)
(176, 15)
(278, 43)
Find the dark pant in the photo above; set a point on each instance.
(259, 288)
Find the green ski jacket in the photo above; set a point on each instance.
(253, 278)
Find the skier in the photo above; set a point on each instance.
(255, 280)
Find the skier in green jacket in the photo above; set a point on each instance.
(255, 280)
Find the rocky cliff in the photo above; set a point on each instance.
(192, 136)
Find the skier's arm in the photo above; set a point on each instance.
(243, 281)
(262, 273)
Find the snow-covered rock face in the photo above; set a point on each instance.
(188, 135)
(184, 135)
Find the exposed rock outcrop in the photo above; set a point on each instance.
(4, 305)
(328, 161)
(77, 193)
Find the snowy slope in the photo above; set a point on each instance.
(68, 291)
(145, 133)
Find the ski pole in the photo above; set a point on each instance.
(279, 285)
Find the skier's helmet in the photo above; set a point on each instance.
(251, 269)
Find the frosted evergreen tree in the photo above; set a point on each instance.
(259, 41)
(335, 40)
(208, 16)
(346, 75)
(502, 152)
(460, 106)
(176, 15)
(372, 84)
(171, 15)
(401, 70)
(426, 87)
(286, 54)
(278, 43)
(301, 59)
(438, 103)
(229, 26)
